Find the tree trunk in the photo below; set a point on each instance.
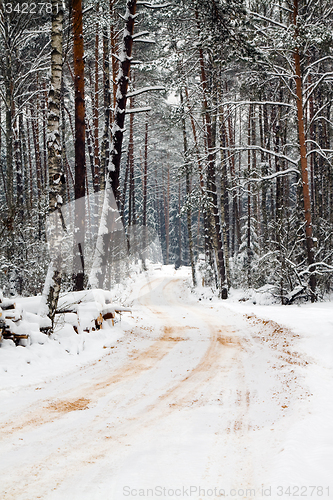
(96, 178)
(120, 108)
(35, 139)
(166, 197)
(114, 60)
(180, 261)
(19, 174)
(44, 115)
(31, 190)
(105, 152)
(304, 165)
(264, 172)
(9, 102)
(90, 147)
(248, 228)
(201, 177)
(55, 168)
(236, 230)
(113, 167)
(131, 206)
(123, 195)
(25, 162)
(144, 198)
(188, 192)
(211, 181)
(145, 179)
(224, 196)
(80, 166)
(131, 198)
(9, 154)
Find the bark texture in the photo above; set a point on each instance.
(304, 164)
(55, 171)
(211, 181)
(80, 166)
(121, 98)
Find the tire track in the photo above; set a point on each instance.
(91, 446)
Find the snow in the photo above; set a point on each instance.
(154, 6)
(173, 99)
(306, 455)
(144, 40)
(187, 396)
(145, 109)
(21, 366)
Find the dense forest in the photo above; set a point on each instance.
(205, 125)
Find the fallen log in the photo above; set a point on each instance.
(109, 315)
(13, 315)
(7, 304)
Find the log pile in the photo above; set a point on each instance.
(89, 316)
(10, 319)
(85, 311)
(88, 309)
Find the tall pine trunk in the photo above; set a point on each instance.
(211, 181)
(96, 179)
(80, 166)
(188, 192)
(112, 188)
(304, 163)
(105, 152)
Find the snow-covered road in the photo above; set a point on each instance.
(192, 402)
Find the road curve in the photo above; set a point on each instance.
(189, 398)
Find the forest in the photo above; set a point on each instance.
(203, 125)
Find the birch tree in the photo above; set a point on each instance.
(55, 170)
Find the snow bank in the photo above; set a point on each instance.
(306, 456)
(75, 340)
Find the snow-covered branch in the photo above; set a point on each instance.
(268, 20)
(145, 89)
(274, 176)
(137, 110)
(263, 150)
(315, 86)
(141, 33)
(258, 103)
(317, 116)
(144, 40)
(152, 6)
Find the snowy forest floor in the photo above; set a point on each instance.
(186, 397)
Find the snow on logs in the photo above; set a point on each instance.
(16, 324)
(85, 311)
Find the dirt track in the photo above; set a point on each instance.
(213, 392)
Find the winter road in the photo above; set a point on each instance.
(191, 402)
